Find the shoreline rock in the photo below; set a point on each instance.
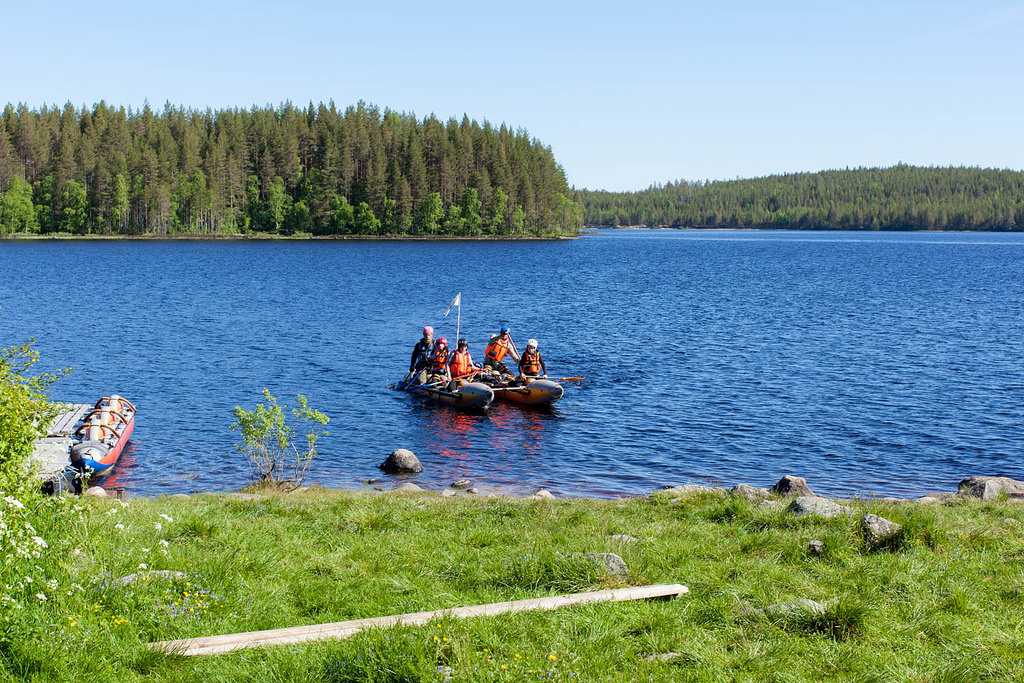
(989, 488)
(401, 461)
(792, 486)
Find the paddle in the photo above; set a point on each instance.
(575, 378)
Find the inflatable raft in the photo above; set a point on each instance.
(98, 442)
(473, 396)
(538, 393)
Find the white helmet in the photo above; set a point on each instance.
(531, 344)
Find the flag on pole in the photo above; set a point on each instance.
(457, 301)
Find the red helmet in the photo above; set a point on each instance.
(442, 341)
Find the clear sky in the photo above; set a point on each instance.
(626, 93)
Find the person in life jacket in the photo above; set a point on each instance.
(500, 346)
(461, 363)
(439, 360)
(532, 363)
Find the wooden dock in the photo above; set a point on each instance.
(50, 455)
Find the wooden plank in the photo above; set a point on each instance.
(345, 629)
(67, 419)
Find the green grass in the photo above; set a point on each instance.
(945, 602)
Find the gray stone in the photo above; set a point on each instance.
(611, 563)
(929, 500)
(989, 488)
(816, 548)
(96, 491)
(448, 493)
(462, 484)
(473, 490)
(241, 495)
(816, 505)
(407, 487)
(543, 494)
(688, 490)
(751, 493)
(150, 575)
(662, 657)
(623, 538)
(401, 461)
(878, 531)
(180, 496)
(792, 486)
(773, 505)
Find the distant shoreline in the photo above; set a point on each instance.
(747, 228)
(268, 237)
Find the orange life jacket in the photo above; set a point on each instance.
(462, 364)
(530, 363)
(496, 350)
(440, 359)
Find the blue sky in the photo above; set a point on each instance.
(626, 93)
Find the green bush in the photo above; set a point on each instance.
(24, 414)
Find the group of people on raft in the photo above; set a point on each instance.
(433, 362)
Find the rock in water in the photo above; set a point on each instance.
(611, 563)
(988, 488)
(97, 491)
(792, 486)
(407, 487)
(751, 493)
(461, 484)
(401, 461)
(816, 505)
(816, 548)
(878, 532)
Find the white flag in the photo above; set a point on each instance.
(457, 301)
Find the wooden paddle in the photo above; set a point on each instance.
(574, 378)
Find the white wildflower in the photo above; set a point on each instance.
(119, 526)
(41, 597)
(158, 526)
(145, 551)
(143, 565)
(14, 503)
(52, 584)
(28, 579)
(166, 518)
(77, 552)
(164, 543)
(39, 542)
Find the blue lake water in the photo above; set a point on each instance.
(871, 363)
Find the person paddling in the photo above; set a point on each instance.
(461, 365)
(421, 354)
(531, 365)
(500, 346)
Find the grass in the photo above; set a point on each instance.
(944, 603)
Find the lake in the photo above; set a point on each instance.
(871, 363)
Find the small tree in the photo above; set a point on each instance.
(25, 414)
(267, 440)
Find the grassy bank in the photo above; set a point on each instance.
(947, 603)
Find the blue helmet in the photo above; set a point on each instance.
(504, 329)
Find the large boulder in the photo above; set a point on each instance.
(878, 532)
(989, 488)
(792, 486)
(401, 461)
(816, 505)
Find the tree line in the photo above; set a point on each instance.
(900, 197)
(282, 170)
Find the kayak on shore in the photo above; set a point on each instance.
(100, 439)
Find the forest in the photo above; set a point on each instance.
(900, 197)
(281, 170)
